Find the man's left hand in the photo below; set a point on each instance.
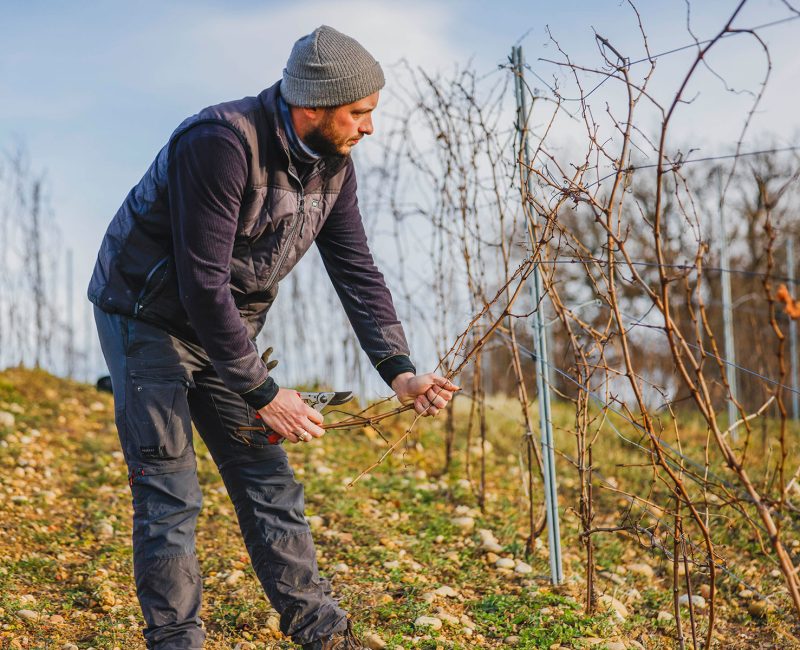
(430, 392)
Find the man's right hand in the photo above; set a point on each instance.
(291, 417)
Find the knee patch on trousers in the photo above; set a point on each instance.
(165, 509)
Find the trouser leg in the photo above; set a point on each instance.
(152, 415)
(269, 505)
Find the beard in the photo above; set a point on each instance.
(324, 140)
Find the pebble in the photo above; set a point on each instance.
(523, 568)
(274, 624)
(97, 407)
(511, 640)
(103, 529)
(633, 595)
(698, 601)
(491, 558)
(341, 567)
(428, 621)
(391, 564)
(234, 577)
(447, 618)
(374, 642)
(758, 608)
(489, 541)
(486, 534)
(612, 603)
(28, 615)
(608, 645)
(465, 524)
(315, 522)
(641, 569)
(505, 563)
(7, 420)
(447, 592)
(428, 597)
(613, 577)
(323, 470)
(56, 619)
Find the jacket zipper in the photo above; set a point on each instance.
(301, 217)
(290, 240)
(147, 279)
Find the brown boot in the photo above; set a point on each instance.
(345, 640)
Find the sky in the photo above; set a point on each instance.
(93, 89)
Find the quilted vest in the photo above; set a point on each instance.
(278, 220)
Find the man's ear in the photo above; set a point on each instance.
(311, 114)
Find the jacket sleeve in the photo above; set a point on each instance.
(207, 175)
(342, 243)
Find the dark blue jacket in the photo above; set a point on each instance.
(220, 217)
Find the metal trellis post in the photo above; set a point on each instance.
(540, 340)
(792, 328)
(727, 316)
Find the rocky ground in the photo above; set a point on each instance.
(409, 553)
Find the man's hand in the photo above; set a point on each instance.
(291, 417)
(430, 392)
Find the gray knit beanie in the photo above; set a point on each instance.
(328, 68)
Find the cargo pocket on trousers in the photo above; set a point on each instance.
(158, 422)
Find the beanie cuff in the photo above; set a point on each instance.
(323, 93)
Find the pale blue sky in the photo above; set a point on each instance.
(93, 89)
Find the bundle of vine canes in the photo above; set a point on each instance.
(367, 418)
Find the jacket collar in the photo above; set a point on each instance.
(269, 97)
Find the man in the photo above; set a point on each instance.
(185, 275)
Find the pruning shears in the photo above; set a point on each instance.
(317, 401)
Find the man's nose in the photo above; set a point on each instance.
(366, 127)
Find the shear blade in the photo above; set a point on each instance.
(341, 397)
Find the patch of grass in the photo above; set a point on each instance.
(538, 619)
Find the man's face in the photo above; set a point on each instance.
(339, 129)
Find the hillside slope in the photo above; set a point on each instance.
(399, 545)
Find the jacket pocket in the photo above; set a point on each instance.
(158, 421)
(154, 283)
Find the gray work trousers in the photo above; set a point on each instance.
(161, 386)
